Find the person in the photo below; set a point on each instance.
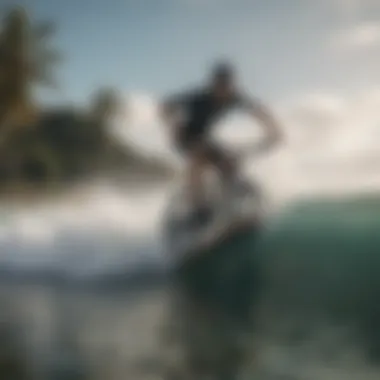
(192, 115)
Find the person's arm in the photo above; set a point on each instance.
(171, 111)
(273, 134)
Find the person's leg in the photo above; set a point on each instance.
(229, 170)
(225, 165)
(191, 148)
(197, 162)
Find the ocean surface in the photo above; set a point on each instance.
(116, 337)
(318, 317)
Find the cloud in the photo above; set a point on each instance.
(143, 127)
(334, 141)
(361, 36)
(143, 109)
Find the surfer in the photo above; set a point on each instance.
(191, 116)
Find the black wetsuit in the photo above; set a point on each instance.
(202, 111)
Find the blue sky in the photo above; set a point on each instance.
(157, 46)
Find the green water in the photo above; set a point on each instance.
(225, 271)
(318, 257)
(322, 257)
(329, 248)
(313, 247)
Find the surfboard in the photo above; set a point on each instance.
(244, 207)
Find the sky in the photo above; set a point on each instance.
(280, 47)
(314, 63)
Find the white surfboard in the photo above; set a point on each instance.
(243, 206)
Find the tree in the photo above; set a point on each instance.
(105, 103)
(60, 143)
(25, 60)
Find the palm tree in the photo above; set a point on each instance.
(105, 102)
(25, 60)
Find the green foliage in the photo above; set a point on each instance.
(25, 60)
(52, 145)
(104, 103)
